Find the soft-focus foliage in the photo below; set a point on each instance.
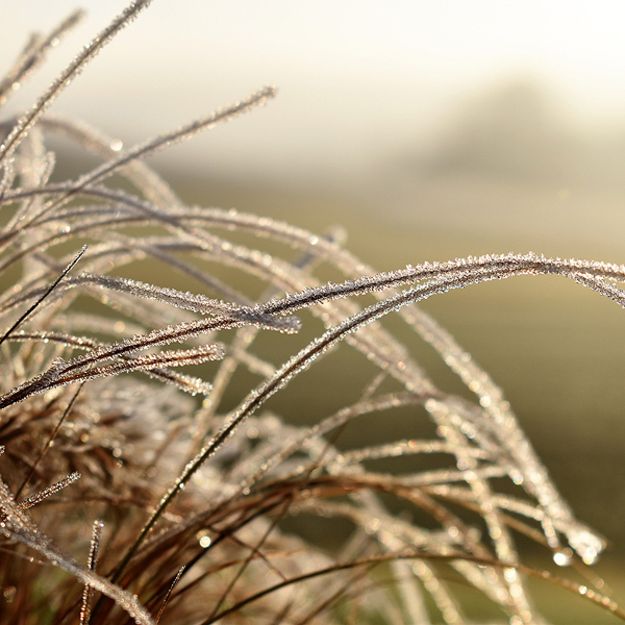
(179, 506)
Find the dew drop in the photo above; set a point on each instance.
(562, 558)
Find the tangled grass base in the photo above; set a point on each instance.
(129, 494)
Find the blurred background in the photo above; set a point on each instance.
(429, 130)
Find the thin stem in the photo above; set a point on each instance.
(598, 599)
(52, 436)
(45, 294)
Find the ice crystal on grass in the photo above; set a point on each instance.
(33, 500)
(94, 548)
(195, 497)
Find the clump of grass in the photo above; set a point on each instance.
(129, 493)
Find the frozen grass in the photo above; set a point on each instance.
(178, 507)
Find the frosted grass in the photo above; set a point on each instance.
(194, 492)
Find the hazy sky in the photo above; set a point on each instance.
(358, 79)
